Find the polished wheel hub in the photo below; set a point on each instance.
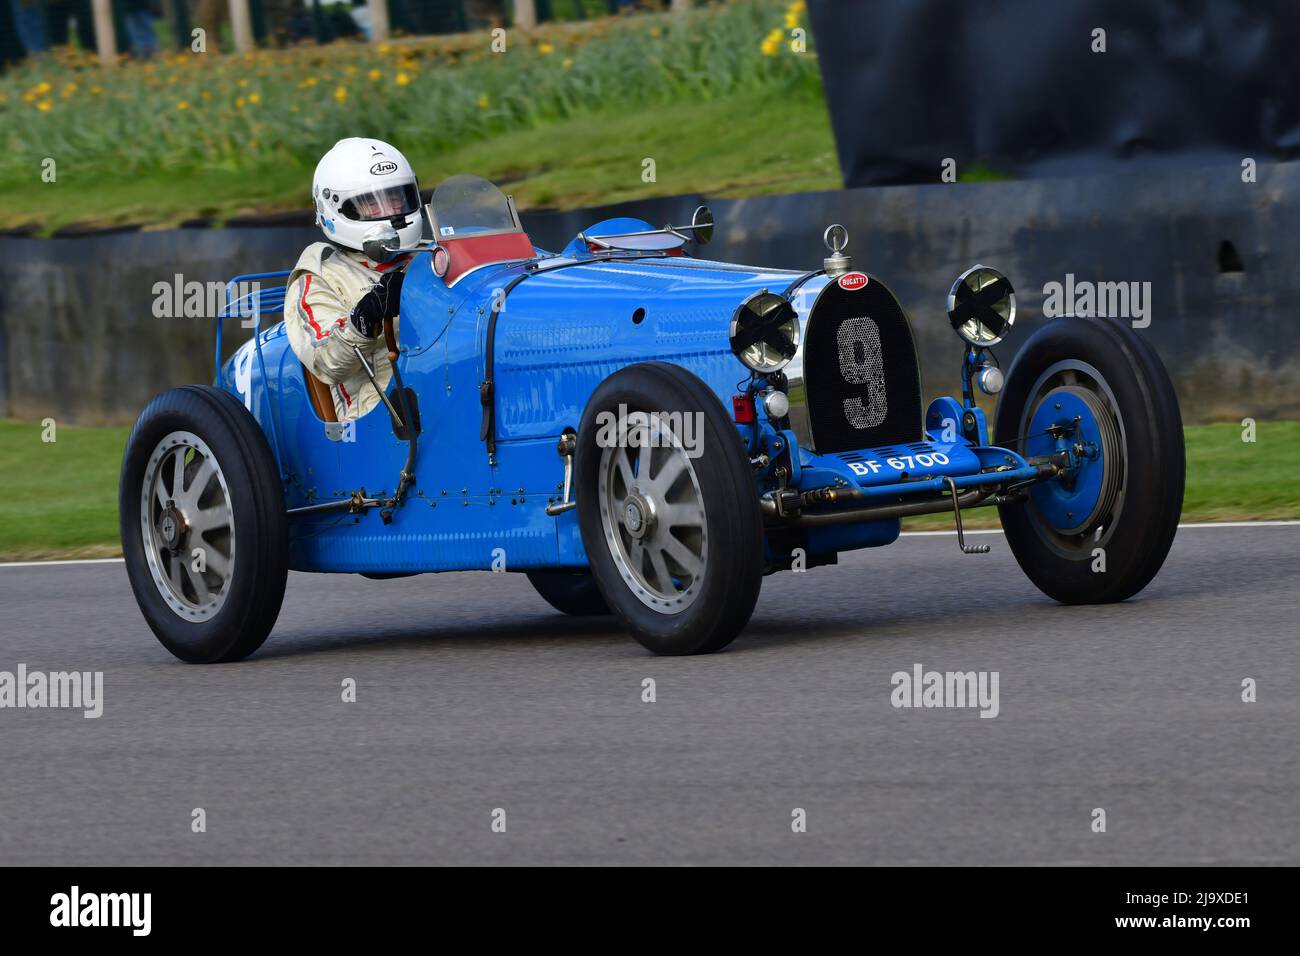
(638, 515)
(171, 528)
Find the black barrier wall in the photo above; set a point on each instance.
(1050, 87)
(1210, 267)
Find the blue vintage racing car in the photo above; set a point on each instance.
(643, 432)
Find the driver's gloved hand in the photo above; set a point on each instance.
(390, 287)
(368, 314)
(380, 303)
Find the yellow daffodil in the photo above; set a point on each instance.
(401, 79)
(341, 94)
(239, 103)
(484, 102)
(45, 106)
(182, 105)
(254, 97)
(545, 48)
(374, 75)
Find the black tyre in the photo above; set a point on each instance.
(203, 523)
(570, 592)
(668, 510)
(1101, 534)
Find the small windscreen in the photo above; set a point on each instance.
(656, 242)
(381, 203)
(469, 205)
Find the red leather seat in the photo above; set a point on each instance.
(321, 398)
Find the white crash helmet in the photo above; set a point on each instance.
(360, 182)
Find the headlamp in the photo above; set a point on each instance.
(765, 332)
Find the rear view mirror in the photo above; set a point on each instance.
(380, 242)
(702, 225)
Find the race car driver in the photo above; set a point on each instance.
(337, 298)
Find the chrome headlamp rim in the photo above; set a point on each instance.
(987, 340)
(795, 332)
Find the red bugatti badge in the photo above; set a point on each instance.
(853, 281)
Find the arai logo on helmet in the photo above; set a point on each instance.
(853, 281)
(383, 168)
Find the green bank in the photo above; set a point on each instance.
(59, 498)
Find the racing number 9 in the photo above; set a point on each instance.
(861, 364)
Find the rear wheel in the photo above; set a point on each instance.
(668, 510)
(570, 592)
(1092, 386)
(203, 524)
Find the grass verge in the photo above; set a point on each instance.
(722, 99)
(60, 498)
(724, 148)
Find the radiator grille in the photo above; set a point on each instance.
(860, 370)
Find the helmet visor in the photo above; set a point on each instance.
(381, 203)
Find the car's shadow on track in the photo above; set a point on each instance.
(860, 602)
(606, 639)
(291, 641)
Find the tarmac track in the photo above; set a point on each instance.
(473, 695)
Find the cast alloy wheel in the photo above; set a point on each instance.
(204, 527)
(668, 509)
(187, 527)
(652, 513)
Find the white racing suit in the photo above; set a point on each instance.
(324, 286)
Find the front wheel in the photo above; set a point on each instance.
(1094, 388)
(204, 527)
(668, 510)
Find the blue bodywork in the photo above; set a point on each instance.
(562, 331)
